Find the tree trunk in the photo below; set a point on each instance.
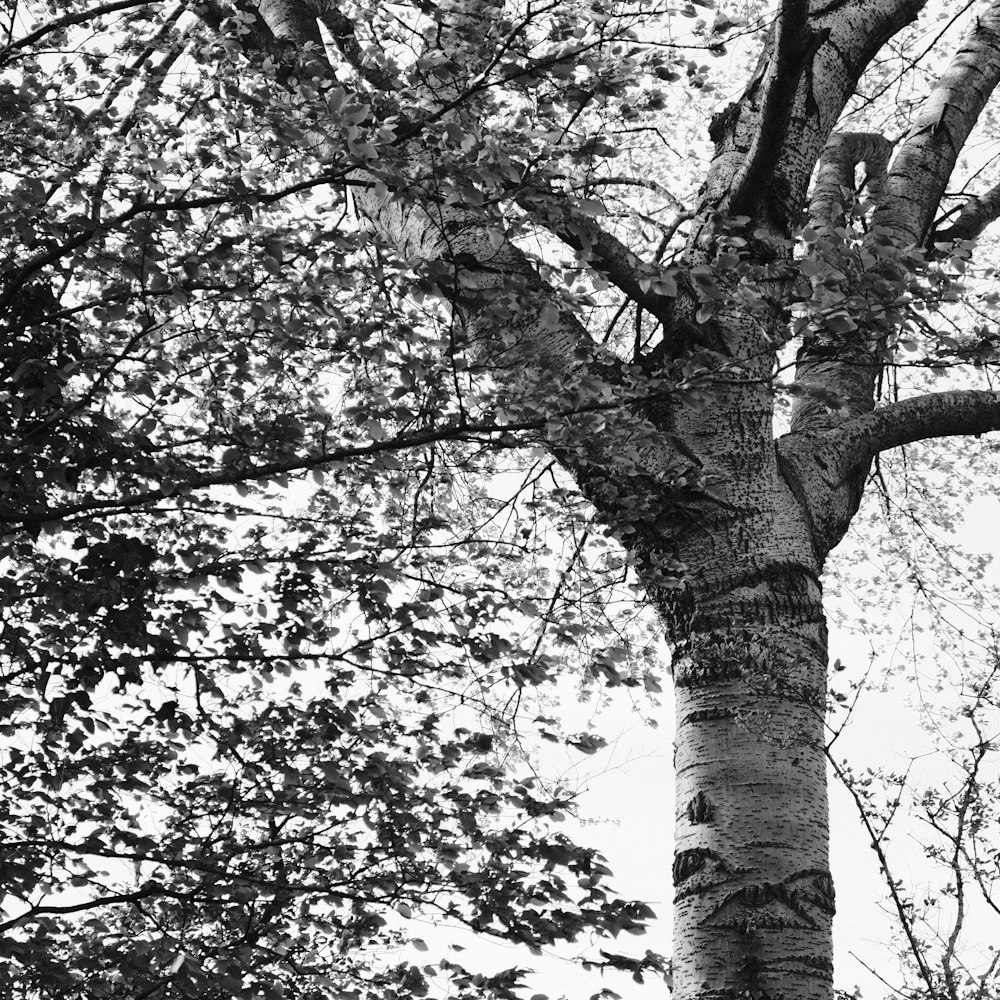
(754, 897)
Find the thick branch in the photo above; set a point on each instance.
(849, 33)
(846, 365)
(794, 48)
(927, 157)
(507, 321)
(976, 214)
(937, 414)
(341, 29)
(843, 152)
(291, 20)
(838, 364)
(826, 470)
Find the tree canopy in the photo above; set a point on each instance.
(373, 376)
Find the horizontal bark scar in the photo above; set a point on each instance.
(776, 904)
(766, 904)
(703, 870)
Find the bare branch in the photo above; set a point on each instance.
(927, 157)
(826, 469)
(903, 911)
(843, 152)
(976, 214)
(938, 414)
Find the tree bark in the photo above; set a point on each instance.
(927, 157)
(975, 215)
(754, 898)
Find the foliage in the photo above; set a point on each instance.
(272, 625)
(288, 579)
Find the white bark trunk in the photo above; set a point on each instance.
(754, 901)
(754, 898)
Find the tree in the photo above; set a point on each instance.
(188, 292)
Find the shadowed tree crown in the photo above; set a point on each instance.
(368, 369)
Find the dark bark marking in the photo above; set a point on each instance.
(691, 674)
(819, 888)
(765, 904)
(700, 809)
(709, 715)
(817, 962)
(686, 863)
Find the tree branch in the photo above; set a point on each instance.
(794, 47)
(976, 214)
(552, 420)
(854, 31)
(341, 29)
(845, 365)
(603, 251)
(927, 157)
(838, 364)
(937, 414)
(506, 319)
(66, 21)
(841, 156)
(826, 470)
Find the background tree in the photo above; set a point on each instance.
(255, 720)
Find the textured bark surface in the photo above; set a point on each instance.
(927, 157)
(839, 364)
(754, 899)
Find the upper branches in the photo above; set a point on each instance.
(769, 142)
(927, 157)
(505, 320)
(794, 48)
(846, 363)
